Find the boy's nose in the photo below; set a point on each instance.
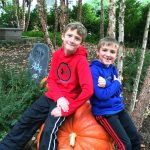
(108, 53)
(72, 39)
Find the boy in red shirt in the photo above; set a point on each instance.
(69, 86)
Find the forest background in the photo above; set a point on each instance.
(101, 18)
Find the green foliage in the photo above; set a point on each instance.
(33, 34)
(40, 34)
(135, 21)
(7, 18)
(51, 19)
(89, 18)
(131, 63)
(92, 38)
(34, 23)
(17, 92)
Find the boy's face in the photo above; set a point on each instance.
(71, 41)
(107, 54)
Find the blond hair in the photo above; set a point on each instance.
(81, 30)
(107, 41)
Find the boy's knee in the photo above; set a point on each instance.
(127, 144)
(136, 141)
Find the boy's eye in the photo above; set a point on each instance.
(69, 35)
(77, 38)
(105, 50)
(112, 51)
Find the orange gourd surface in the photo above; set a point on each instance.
(43, 83)
(80, 131)
(89, 134)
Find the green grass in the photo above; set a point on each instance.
(41, 35)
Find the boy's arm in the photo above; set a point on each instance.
(101, 82)
(103, 93)
(86, 85)
(51, 80)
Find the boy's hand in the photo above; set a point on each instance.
(56, 112)
(63, 103)
(101, 82)
(115, 78)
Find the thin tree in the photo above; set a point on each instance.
(3, 3)
(102, 19)
(142, 105)
(44, 23)
(62, 15)
(121, 39)
(23, 18)
(16, 9)
(112, 19)
(136, 82)
(29, 11)
(56, 23)
(79, 14)
(67, 12)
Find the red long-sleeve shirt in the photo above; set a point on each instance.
(70, 77)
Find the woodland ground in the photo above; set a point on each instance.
(16, 55)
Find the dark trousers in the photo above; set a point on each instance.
(122, 130)
(31, 120)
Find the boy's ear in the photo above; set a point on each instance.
(62, 36)
(97, 52)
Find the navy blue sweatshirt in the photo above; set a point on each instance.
(106, 100)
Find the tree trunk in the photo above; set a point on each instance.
(121, 39)
(15, 3)
(102, 20)
(136, 82)
(44, 24)
(28, 18)
(3, 3)
(67, 11)
(62, 16)
(23, 18)
(112, 19)
(79, 14)
(56, 24)
(143, 102)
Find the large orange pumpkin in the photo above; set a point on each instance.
(80, 131)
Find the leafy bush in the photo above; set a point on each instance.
(7, 17)
(40, 34)
(131, 63)
(17, 92)
(92, 38)
(33, 34)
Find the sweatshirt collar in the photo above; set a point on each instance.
(81, 50)
(99, 63)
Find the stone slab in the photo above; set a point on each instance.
(38, 62)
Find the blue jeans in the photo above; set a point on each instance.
(31, 120)
(122, 130)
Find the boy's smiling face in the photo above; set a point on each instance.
(107, 54)
(71, 41)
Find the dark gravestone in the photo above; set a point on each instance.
(38, 62)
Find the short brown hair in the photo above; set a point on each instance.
(81, 30)
(107, 41)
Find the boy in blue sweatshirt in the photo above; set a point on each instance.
(107, 100)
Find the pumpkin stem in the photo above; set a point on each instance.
(72, 137)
